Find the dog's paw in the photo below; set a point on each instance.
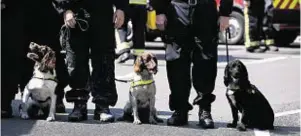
(24, 116)
(152, 120)
(49, 119)
(137, 122)
(231, 125)
(241, 127)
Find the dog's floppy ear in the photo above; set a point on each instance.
(244, 75)
(226, 75)
(33, 57)
(137, 65)
(156, 63)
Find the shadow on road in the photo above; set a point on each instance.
(16, 126)
(286, 130)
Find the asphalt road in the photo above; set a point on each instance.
(277, 75)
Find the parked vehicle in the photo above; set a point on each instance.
(286, 22)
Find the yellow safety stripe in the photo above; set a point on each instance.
(269, 42)
(141, 82)
(151, 20)
(286, 4)
(124, 45)
(276, 2)
(138, 2)
(138, 52)
(247, 35)
(293, 4)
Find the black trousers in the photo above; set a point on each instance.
(203, 25)
(97, 42)
(138, 15)
(11, 48)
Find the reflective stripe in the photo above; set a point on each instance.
(284, 4)
(269, 42)
(151, 20)
(255, 43)
(276, 2)
(293, 4)
(139, 2)
(247, 31)
(138, 52)
(141, 82)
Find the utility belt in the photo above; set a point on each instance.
(185, 10)
(189, 2)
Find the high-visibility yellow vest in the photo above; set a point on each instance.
(139, 2)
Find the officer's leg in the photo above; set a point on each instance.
(252, 32)
(123, 45)
(269, 30)
(77, 55)
(139, 18)
(178, 74)
(178, 61)
(103, 76)
(62, 76)
(204, 60)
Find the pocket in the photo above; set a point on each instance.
(172, 51)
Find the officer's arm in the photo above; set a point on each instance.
(160, 6)
(121, 4)
(226, 7)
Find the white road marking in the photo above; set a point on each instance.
(285, 113)
(257, 61)
(261, 132)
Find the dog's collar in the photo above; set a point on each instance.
(141, 82)
(52, 79)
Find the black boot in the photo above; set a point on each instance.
(60, 107)
(79, 112)
(178, 118)
(103, 113)
(205, 118)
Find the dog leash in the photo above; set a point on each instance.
(124, 81)
(227, 49)
(65, 32)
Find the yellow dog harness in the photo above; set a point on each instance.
(141, 82)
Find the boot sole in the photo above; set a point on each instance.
(177, 124)
(203, 125)
(77, 119)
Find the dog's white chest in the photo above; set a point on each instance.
(41, 89)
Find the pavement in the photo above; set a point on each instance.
(276, 74)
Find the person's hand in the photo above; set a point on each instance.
(224, 23)
(246, 4)
(161, 21)
(118, 18)
(69, 19)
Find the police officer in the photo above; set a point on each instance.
(255, 19)
(11, 47)
(42, 25)
(137, 12)
(184, 21)
(91, 26)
